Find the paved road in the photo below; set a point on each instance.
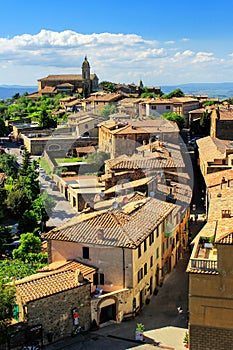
(63, 211)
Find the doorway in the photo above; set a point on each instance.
(108, 313)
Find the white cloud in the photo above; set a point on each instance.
(116, 57)
(203, 57)
(169, 42)
(186, 53)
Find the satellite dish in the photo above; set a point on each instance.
(115, 205)
(152, 194)
(102, 194)
(125, 200)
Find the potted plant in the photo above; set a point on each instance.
(186, 340)
(139, 331)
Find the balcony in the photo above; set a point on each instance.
(205, 258)
(204, 265)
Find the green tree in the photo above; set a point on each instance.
(44, 120)
(3, 197)
(174, 117)
(28, 222)
(2, 127)
(17, 202)
(4, 237)
(30, 246)
(15, 269)
(16, 96)
(205, 122)
(106, 111)
(26, 162)
(29, 177)
(7, 299)
(209, 103)
(8, 165)
(175, 93)
(43, 207)
(107, 86)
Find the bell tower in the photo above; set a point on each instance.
(85, 69)
(86, 78)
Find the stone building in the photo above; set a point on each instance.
(124, 137)
(48, 298)
(222, 123)
(210, 274)
(179, 105)
(133, 243)
(84, 83)
(214, 154)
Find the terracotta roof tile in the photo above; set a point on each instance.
(119, 228)
(214, 179)
(211, 148)
(65, 77)
(41, 285)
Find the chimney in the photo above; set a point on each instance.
(78, 276)
(226, 213)
(100, 234)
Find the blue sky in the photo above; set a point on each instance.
(160, 42)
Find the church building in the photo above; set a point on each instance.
(69, 84)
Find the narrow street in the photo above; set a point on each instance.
(163, 323)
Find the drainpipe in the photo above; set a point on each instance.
(123, 262)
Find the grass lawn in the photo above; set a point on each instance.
(68, 160)
(45, 165)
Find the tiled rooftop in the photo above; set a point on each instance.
(211, 148)
(46, 285)
(216, 178)
(66, 77)
(119, 228)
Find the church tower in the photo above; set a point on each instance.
(86, 78)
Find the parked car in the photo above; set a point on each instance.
(193, 141)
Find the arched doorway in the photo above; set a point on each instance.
(107, 310)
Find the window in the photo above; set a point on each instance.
(95, 279)
(74, 202)
(153, 107)
(139, 250)
(151, 238)
(151, 261)
(145, 269)
(102, 278)
(140, 275)
(98, 278)
(157, 253)
(85, 253)
(16, 312)
(145, 245)
(157, 232)
(168, 107)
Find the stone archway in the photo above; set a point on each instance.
(107, 310)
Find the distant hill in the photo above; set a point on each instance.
(7, 91)
(220, 90)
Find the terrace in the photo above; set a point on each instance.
(204, 257)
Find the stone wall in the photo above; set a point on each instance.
(55, 312)
(224, 129)
(208, 338)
